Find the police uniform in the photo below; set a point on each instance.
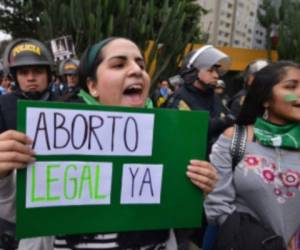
(188, 97)
(19, 53)
(67, 67)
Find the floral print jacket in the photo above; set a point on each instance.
(265, 184)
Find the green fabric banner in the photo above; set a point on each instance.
(108, 169)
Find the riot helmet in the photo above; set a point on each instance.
(26, 52)
(252, 68)
(69, 71)
(207, 57)
(69, 67)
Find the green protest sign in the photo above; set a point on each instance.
(107, 169)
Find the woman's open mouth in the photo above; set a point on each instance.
(135, 89)
(134, 95)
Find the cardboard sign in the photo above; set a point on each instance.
(107, 169)
(62, 48)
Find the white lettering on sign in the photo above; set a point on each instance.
(81, 132)
(68, 183)
(141, 183)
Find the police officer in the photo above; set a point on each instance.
(30, 63)
(238, 99)
(199, 73)
(68, 70)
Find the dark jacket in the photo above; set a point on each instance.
(8, 108)
(191, 98)
(8, 121)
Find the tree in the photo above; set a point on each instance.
(286, 19)
(20, 17)
(289, 30)
(167, 25)
(268, 17)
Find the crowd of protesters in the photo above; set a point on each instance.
(250, 177)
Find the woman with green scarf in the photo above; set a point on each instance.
(261, 194)
(112, 72)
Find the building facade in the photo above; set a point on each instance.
(233, 23)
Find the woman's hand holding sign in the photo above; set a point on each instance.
(15, 151)
(203, 175)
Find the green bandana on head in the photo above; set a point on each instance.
(285, 136)
(94, 51)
